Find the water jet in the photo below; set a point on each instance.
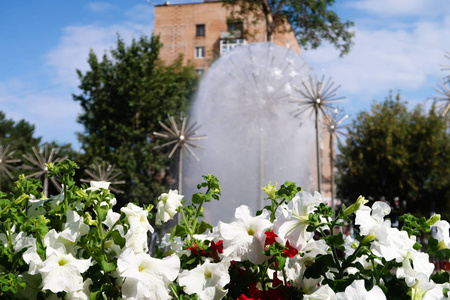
(243, 106)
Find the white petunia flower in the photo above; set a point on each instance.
(295, 270)
(167, 206)
(437, 292)
(74, 228)
(147, 277)
(51, 239)
(137, 218)
(96, 185)
(442, 233)
(323, 293)
(244, 238)
(62, 272)
(368, 218)
(136, 237)
(19, 240)
(422, 286)
(176, 245)
(111, 218)
(296, 266)
(350, 247)
(357, 291)
(82, 294)
(207, 280)
(415, 263)
(32, 258)
(314, 248)
(136, 240)
(291, 220)
(391, 243)
(36, 206)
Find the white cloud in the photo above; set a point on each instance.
(51, 108)
(100, 6)
(385, 59)
(52, 111)
(73, 49)
(388, 8)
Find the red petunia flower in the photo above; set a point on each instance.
(290, 251)
(276, 282)
(270, 238)
(256, 294)
(196, 251)
(217, 246)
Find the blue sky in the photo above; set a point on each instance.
(400, 46)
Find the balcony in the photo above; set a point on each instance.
(230, 40)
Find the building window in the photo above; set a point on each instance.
(235, 28)
(200, 72)
(199, 52)
(200, 30)
(229, 44)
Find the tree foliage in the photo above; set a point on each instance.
(20, 137)
(123, 97)
(392, 152)
(312, 21)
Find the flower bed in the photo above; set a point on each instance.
(75, 246)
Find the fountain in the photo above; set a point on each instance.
(253, 138)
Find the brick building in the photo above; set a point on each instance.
(200, 31)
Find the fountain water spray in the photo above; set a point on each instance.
(243, 105)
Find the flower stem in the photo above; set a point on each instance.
(66, 200)
(196, 216)
(333, 249)
(186, 225)
(174, 291)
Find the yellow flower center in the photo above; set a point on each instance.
(62, 262)
(208, 274)
(141, 268)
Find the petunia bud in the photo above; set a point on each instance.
(368, 238)
(433, 219)
(270, 190)
(355, 206)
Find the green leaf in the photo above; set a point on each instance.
(178, 230)
(288, 190)
(203, 226)
(335, 240)
(108, 266)
(320, 266)
(95, 295)
(417, 246)
(198, 198)
(102, 211)
(281, 260)
(118, 238)
(441, 277)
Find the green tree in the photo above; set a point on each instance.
(391, 152)
(20, 137)
(123, 97)
(311, 21)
